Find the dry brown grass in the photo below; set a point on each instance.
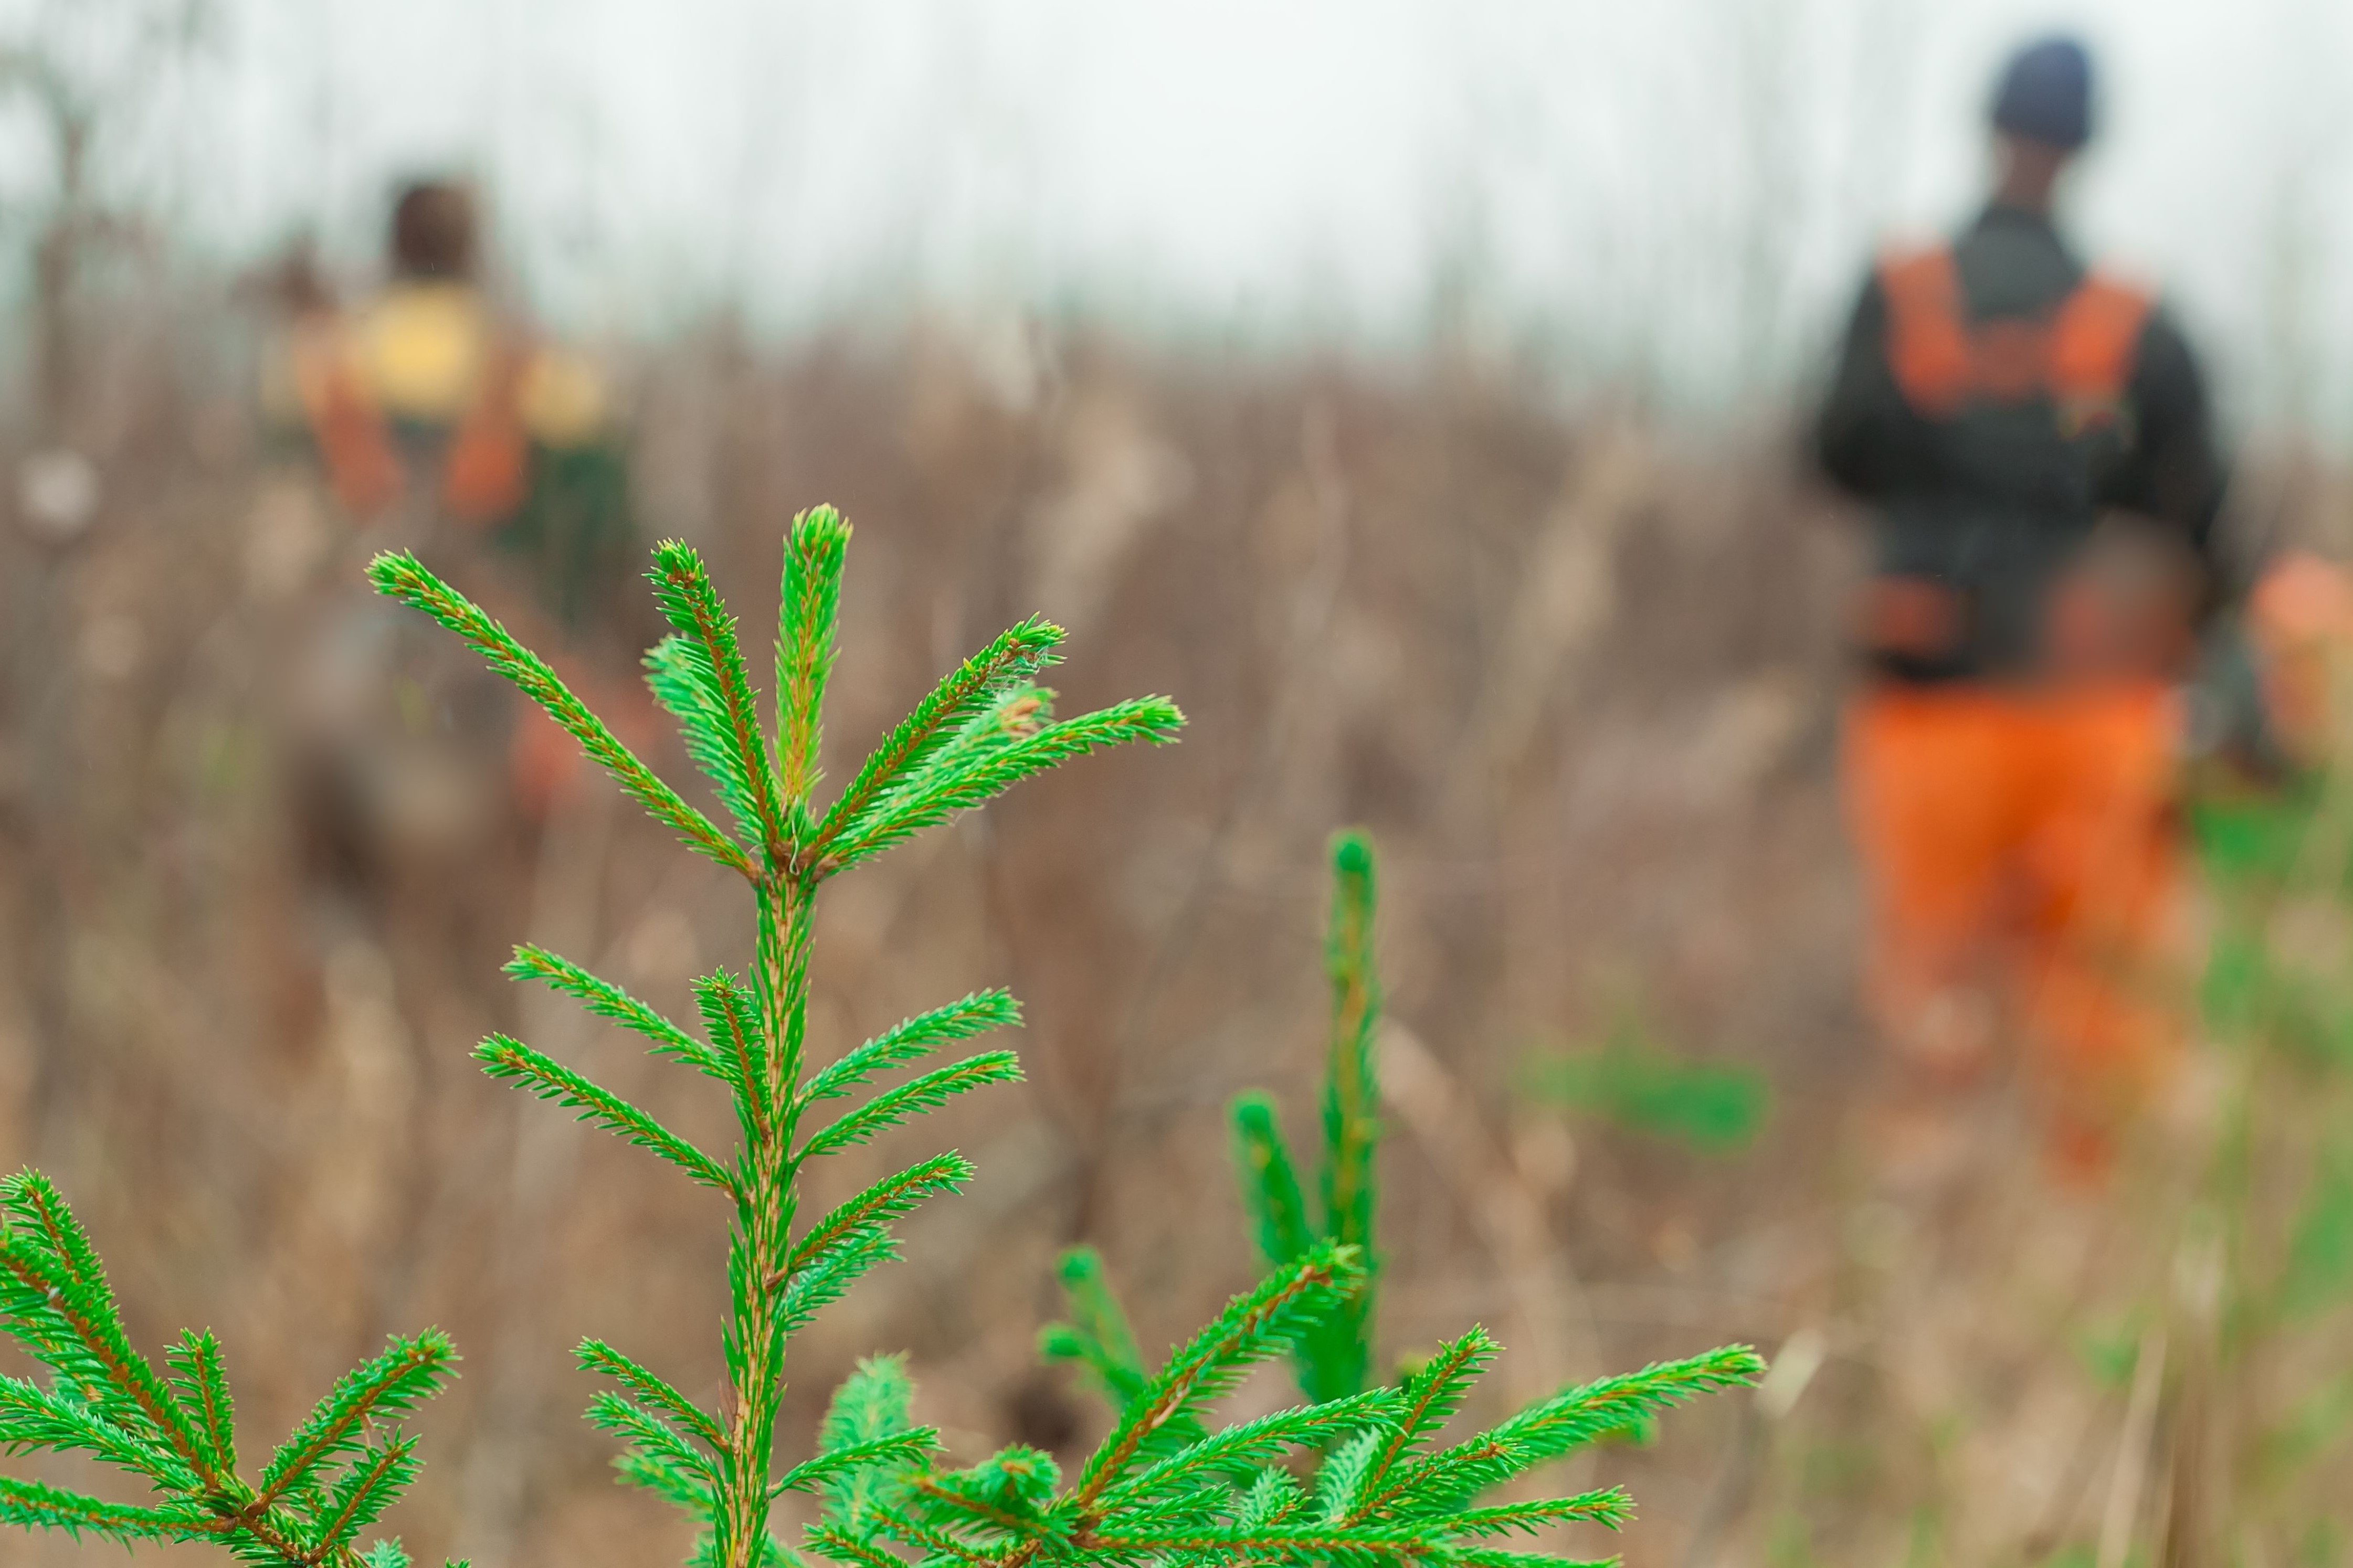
(259, 863)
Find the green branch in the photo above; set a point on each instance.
(402, 577)
(503, 1057)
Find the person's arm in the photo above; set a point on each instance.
(1866, 436)
(2175, 473)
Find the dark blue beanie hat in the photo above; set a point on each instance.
(2046, 94)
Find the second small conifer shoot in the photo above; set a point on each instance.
(1378, 1472)
(1333, 1360)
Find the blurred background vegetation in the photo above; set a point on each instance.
(1407, 390)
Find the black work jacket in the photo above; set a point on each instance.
(1993, 503)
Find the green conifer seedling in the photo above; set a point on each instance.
(324, 1488)
(1384, 1491)
(984, 727)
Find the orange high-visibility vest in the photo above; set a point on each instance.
(2077, 359)
(2081, 354)
(485, 471)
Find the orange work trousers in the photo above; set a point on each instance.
(2020, 850)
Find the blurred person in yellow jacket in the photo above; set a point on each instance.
(2010, 759)
(429, 403)
(440, 423)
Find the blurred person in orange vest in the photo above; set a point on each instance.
(430, 403)
(2010, 758)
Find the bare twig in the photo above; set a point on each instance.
(2131, 1471)
(1557, 1330)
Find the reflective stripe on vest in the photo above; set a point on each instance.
(2081, 356)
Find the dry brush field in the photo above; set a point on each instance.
(263, 850)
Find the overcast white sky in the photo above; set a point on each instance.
(1681, 183)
